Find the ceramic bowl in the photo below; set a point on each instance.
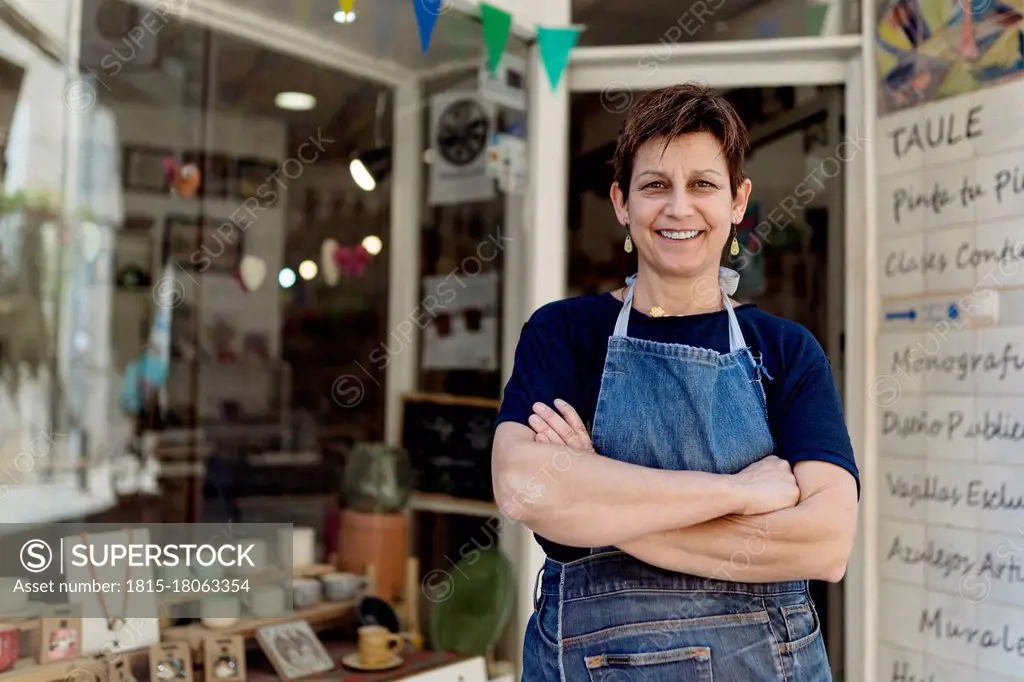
(343, 586)
(220, 612)
(306, 592)
(11, 602)
(267, 601)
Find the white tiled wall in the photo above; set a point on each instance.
(950, 390)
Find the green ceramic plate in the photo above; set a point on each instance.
(473, 604)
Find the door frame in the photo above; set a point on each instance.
(620, 71)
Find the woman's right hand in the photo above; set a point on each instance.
(767, 485)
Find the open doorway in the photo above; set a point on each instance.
(791, 260)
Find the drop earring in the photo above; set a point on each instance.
(734, 248)
(627, 246)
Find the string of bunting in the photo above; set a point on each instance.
(555, 43)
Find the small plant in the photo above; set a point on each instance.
(378, 479)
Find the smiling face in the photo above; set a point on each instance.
(679, 206)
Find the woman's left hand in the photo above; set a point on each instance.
(560, 428)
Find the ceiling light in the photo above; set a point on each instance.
(361, 175)
(343, 17)
(286, 278)
(295, 101)
(372, 244)
(308, 270)
(370, 167)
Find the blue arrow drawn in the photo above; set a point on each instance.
(902, 315)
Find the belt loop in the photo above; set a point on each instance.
(536, 586)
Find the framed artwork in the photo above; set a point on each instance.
(294, 650)
(200, 244)
(254, 180)
(224, 659)
(61, 630)
(170, 661)
(143, 169)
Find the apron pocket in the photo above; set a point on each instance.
(688, 664)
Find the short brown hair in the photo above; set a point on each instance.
(678, 110)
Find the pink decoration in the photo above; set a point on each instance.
(352, 260)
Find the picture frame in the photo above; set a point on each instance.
(60, 634)
(224, 659)
(170, 661)
(199, 244)
(294, 650)
(143, 169)
(253, 179)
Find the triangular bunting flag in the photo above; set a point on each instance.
(814, 18)
(427, 12)
(346, 5)
(497, 24)
(555, 44)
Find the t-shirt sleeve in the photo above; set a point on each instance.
(809, 424)
(544, 366)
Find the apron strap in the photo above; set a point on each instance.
(727, 281)
(622, 322)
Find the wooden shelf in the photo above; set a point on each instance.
(28, 670)
(446, 504)
(319, 617)
(268, 578)
(74, 669)
(313, 570)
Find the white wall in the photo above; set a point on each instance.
(951, 413)
(35, 146)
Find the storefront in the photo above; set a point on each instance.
(904, 117)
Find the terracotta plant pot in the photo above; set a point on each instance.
(377, 539)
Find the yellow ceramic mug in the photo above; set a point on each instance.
(377, 645)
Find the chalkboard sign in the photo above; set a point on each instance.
(448, 439)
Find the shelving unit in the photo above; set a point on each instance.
(84, 669)
(446, 504)
(319, 617)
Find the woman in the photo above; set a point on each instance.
(716, 476)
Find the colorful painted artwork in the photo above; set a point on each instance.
(929, 50)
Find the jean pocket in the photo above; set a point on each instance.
(687, 664)
(547, 620)
(802, 626)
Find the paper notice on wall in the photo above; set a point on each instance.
(507, 85)
(512, 177)
(460, 129)
(464, 331)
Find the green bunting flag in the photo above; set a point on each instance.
(555, 44)
(497, 24)
(814, 18)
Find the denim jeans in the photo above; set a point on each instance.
(611, 618)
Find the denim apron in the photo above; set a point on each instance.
(609, 617)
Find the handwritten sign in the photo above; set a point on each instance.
(950, 390)
(448, 439)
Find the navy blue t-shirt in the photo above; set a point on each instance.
(562, 349)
